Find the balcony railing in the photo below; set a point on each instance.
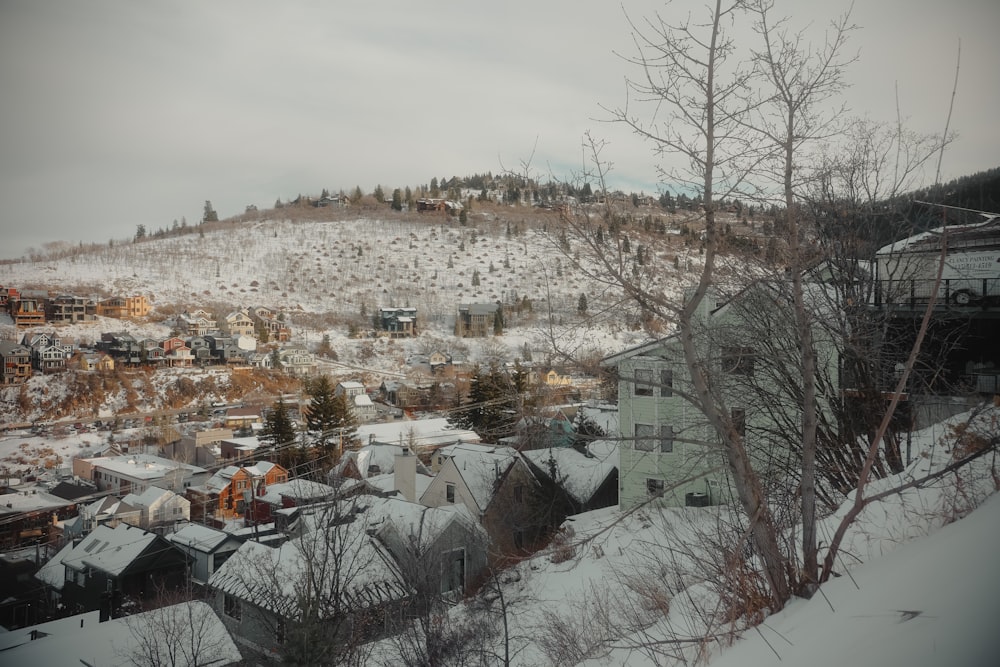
(964, 292)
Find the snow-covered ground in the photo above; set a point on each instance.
(917, 584)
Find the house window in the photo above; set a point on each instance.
(643, 382)
(666, 438)
(666, 382)
(739, 417)
(645, 437)
(738, 361)
(519, 493)
(231, 606)
(519, 539)
(453, 571)
(449, 492)
(654, 487)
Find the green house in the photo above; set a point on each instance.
(669, 453)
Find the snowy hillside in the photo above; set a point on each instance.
(322, 273)
(917, 585)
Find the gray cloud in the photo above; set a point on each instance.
(119, 113)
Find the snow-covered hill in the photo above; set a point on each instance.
(322, 274)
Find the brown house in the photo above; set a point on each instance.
(27, 312)
(15, 363)
(227, 494)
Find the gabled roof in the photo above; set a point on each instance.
(83, 640)
(481, 467)
(581, 476)
(148, 497)
(110, 550)
(200, 538)
(381, 455)
(271, 578)
(301, 489)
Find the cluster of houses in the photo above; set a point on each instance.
(31, 308)
(200, 340)
(419, 498)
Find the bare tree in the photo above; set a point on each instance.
(318, 598)
(182, 632)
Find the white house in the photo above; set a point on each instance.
(160, 507)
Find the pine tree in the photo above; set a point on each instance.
(279, 434)
(490, 409)
(210, 215)
(397, 200)
(379, 194)
(330, 420)
(581, 305)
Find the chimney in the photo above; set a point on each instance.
(404, 474)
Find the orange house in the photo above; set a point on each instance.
(226, 494)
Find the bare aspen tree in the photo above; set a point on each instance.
(802, 82)
(690, 71)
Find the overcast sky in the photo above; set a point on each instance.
(120, 113)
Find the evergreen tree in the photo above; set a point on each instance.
(210, 215)
(498, 322)
(581, 305)
(330, 420)
(475, 278)
(397, 200)
(140, 232)
(491, 407)
(279, 435)
(379, 194)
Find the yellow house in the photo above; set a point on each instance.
(553, 379)
(96, 362)
(128, 307)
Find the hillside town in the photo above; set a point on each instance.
(700, 370)
(444, 482)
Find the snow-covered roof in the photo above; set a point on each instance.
(421, 432)
(83, 640)
(53, 573)
(380, 455)
(108, 505)
(142, 466)
(297, 488)
(271, 578)
(110, 550)
(201, 538)
(28, 500)
(579, 475)
(386, 483)
(480, 466)
(363, 401)
(224, 476)
(148, 497)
